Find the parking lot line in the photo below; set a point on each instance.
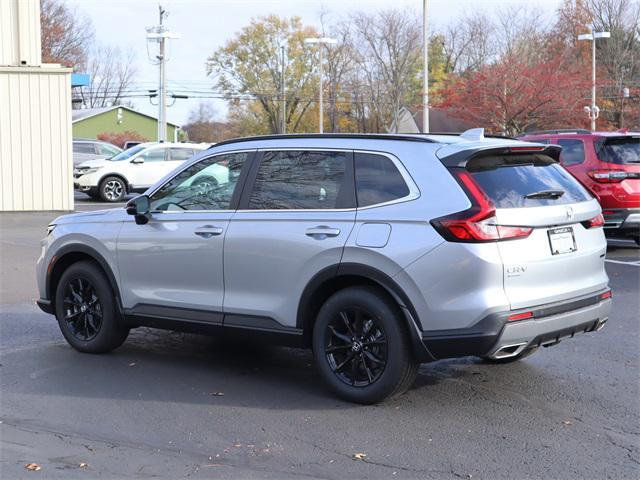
(632, 263)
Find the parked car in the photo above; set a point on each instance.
(84, 150)
(608, 164)
(379, 252)
(131, 143)
(133, 170)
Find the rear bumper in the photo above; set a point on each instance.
(623, 221)
(494, 336)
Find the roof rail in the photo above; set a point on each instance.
(457, 134)
(370, 136)
(580, 131)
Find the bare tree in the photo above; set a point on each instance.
(521, 32)
(111, 73)
(469, 43)
(388, 44)
(620, 54)
(66, 37)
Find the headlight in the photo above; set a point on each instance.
(90, 170)
(50, 229)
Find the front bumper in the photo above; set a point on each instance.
(496, 337)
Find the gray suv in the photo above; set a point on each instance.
(379, 252)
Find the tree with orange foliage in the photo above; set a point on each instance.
(511, 96)
(66, 38)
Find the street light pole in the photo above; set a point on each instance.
(593, 111)
(425, 80)
(321, 41)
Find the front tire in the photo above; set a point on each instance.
(86, 310)
(112, 189)
(361, 346)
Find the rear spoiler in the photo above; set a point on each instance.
(460, 159)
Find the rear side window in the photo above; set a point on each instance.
(622, 151)
(572, 151)
(181, 153)
(377, 180)
(300, 180)
(107, 150)
(530, 185)
(83, 148)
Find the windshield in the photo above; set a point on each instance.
(620, 151)
(127, 153)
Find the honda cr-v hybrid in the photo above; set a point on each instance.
(608, 164)
(379, 252)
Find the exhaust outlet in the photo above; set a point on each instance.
(601, 324)
(507, 351)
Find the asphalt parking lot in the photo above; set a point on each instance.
(175, 405)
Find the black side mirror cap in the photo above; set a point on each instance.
(139, 208)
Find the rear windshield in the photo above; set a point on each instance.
(530, 185)
(621, 151)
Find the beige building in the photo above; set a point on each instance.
(35, 116)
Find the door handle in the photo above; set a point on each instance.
(322, 231)
(208, 231)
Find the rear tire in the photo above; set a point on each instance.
(520, 356)
(86, 310)
(361, 346)
(112, 189)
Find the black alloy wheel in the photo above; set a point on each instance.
(82, 309)
(356, 347)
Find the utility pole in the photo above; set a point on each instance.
(283, 99)
(425, 79)
(321, 42)
(160, 34)
(593, 111)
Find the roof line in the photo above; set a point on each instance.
(370, 136)
(112, 107)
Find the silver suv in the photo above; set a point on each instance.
(379, 252)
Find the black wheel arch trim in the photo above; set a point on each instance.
(84, 250)
(381, 279)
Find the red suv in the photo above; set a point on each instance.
(608, 164)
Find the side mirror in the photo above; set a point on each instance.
(138, 160)
(139, 208)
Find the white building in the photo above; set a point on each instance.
(35, 116)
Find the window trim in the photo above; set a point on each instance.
(237, 192)
(414, 191)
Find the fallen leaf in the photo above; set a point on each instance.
(83, 465)
(34, 467)
(132, 364)
(217, 394)
(359, 456)
(567, 422)
(237, 445)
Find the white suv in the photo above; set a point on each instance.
(133, 170)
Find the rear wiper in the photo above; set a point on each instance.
(552, 194)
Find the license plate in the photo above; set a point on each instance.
(562, 240)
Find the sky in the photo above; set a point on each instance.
(205, 25)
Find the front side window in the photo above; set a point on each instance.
(206, 185)
(155, 155)
(378, 180)
(291, 180)
(572, 151)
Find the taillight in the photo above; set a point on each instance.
(597, 221)
(608, 176)
(607, 294)
(519, 316)
(478, 223)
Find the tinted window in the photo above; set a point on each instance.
(107, 150)
(508, 186)
(181, 153)
(619, 150)
(127, 154)
(155, 155)
(300, 180)
(83, 148)
(377, 180)
(572, 151)
(206, 185)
